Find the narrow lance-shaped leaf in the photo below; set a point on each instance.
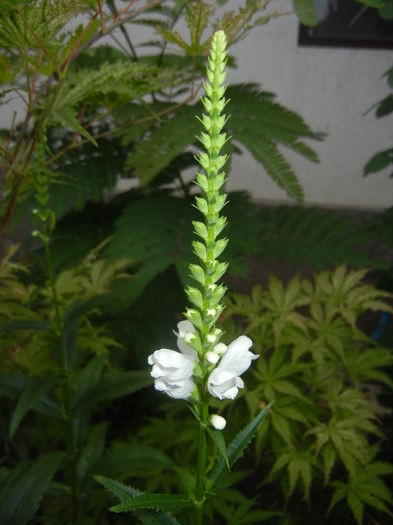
(29, 397)
(124, 492)
(154, 501)
(237, 447)
(21, 495)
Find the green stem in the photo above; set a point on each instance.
(66, 389)
(201, 466)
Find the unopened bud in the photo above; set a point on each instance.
(211, 338)
(212, 358)
(218, 422)
(220, 348)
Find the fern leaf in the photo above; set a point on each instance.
(164, 144)
(321, 237)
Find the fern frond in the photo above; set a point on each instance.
(112, 84)
(257, 122)
(320, 237)
(156, 232)
(164, 144)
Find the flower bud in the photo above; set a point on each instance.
(212, 357)
(220, 348)
(218, 422)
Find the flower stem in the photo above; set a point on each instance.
(201, 465)
(66, 385)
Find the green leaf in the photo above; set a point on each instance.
(124, 459)
(68, 118)
(386, 11)
(146, 500)
(305, 10)
(118, 384)
(31, 394)
(385, 107)
(88, 379)
(164, 144)
(219, 440)
(372, 3)
(379, 161)
(71, 319)
(21, 495)
(323, 238)
(91, 453)
(356, 506)
(123, 492)
(237, 447)
(26, 324)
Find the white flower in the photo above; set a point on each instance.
(172, 370)
(218, 422)
(224, 381)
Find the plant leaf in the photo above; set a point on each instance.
(123, 492)
(305, 10)
(31, 394)
(153, 501)
(219, 440)
(26, 484)
(237, 447)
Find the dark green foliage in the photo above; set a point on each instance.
(322, 438)
(236, 448)
(384, 108)
(379, 162)
(257, 122)
(157, 232)
(321, 237)
(21, 492)
(262, 125)
(315, 363)
(123, 493)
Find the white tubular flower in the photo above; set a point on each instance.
(224, 381)
(217, 422)
(172, 370)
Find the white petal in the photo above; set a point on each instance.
(185, 327)
(237, 358)
(231, 393)
(160, 385)
(182, 389)
(168, 358)
(157, 371)
(150, 359)
(220, 376)
(186, 350)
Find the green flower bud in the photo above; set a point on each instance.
(200, 229)
(195, 296)
(198, 273)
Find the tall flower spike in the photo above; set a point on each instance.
(206, 299)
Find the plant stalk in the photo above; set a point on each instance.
(66, 387)
(201, 466)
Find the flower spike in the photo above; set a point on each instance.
(204, 365)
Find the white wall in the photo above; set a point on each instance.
(332, 88)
